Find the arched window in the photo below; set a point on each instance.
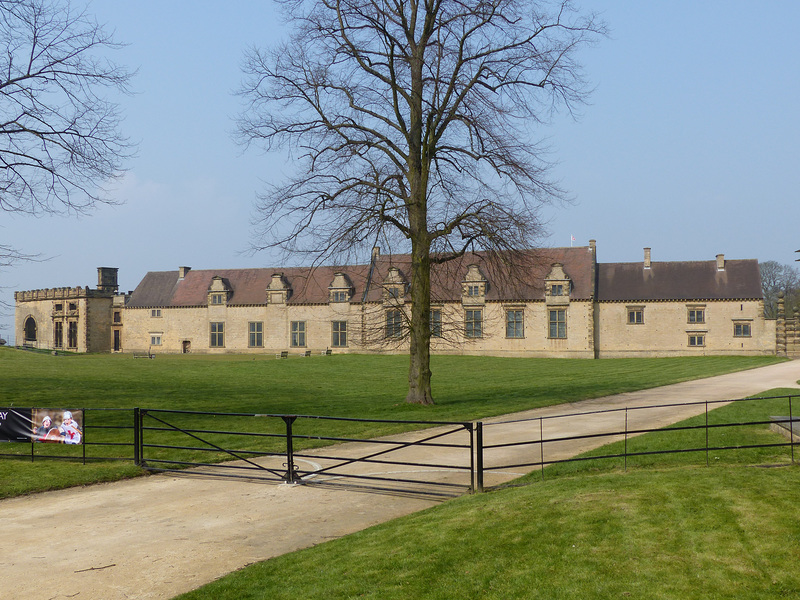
(30, 329)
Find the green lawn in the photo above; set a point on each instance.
(365, 386)
(668, 531)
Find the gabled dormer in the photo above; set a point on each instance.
(219, 292)
(557, 285)
(394, 287)
(278, 291)
(341, 289)
(474, 286)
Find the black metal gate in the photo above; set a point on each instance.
(437, 459)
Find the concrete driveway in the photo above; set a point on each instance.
(158, 536)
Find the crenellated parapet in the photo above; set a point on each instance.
(61, 293)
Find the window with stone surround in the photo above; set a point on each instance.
(255, 334)
(697, 339)
(217, 335)
(742, 329)
(473, 323)
(436, 322)
(298, 334)
(394, 323)
(72, 334)
(557, 322)
(635, 315)
(339, 334)
(696, 314)
(515, 324)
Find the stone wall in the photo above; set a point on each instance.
(665, 329)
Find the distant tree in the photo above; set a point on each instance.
(777, 278)
(60, 142)
(414, 123)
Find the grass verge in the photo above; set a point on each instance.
(670, 531)
(366, 386)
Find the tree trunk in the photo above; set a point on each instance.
(419, 368)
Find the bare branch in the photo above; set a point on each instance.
(413, 118)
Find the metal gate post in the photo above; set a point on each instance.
(291, 476)
(83, 445)
(479, 455)
(137, 437)
(791, 428)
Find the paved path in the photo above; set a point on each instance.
(158, 536)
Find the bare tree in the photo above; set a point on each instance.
(777, 278)
(60, 142)
(413, 123)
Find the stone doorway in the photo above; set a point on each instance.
(186, 347)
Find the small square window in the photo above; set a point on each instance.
(393, 292)
(155, 312)
(697, 315)
(473, 290)
(635, 316)
(73, 306)
(155, 340)
(697, 340)
(217, 298)
(557, 289)
(741, 330)
(340, 297)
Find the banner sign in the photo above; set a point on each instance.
(55, 425)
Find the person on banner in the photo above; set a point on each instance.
(42, 431)
(69, 429)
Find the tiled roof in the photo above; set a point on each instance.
(699, 280)
(310, 286)
(690, 280)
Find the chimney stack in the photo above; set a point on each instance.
(647, 258)
(107, 279)
(182, 271)
(720, 262)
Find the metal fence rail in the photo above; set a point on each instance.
(440, 457)
(538, 449)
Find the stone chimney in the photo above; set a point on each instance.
(107, 279)
(376, 252)
(647, 258)
(182, 271)
(720, 262)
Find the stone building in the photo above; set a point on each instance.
(556, 302)
(77, 319)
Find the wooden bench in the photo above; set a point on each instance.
(143, 355)
(282, 354)
(306, 354)
(326, 352)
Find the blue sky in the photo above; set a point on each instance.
(689, 145)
